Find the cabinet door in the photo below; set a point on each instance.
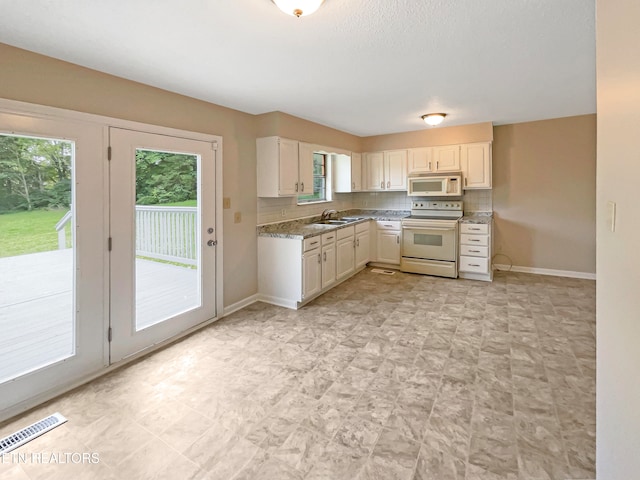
(388, 246)
(420, 160)
(362, 249)
(476, 165)
(446, 158)
(288, 167)
(374, 168)
(305, 169)
(345, 257)
(328, 265)
(356, 172)
(395, 163)
(311, 273)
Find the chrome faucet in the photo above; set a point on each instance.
(326, 215)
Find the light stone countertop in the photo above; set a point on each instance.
(477, 217)
(305, 228)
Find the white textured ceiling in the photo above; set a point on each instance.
(363, 66)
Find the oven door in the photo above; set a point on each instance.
(421, 240)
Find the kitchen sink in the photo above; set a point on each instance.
(332, 222)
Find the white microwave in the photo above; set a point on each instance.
(435, 185)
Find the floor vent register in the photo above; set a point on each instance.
(27, 434)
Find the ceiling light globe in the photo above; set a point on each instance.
(434, 119)
(298, 8)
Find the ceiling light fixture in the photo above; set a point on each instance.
(433, 119)
(298, 8)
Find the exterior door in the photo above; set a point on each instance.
(163, 238)
(53, 256)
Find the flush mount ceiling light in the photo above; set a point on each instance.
(434, 119)
(298, 8)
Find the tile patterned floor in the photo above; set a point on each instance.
(384, 377)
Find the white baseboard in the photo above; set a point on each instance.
(546, 271)
(280, 302)
(240, 305)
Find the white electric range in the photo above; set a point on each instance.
(430, 238)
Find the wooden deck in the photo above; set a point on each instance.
(36, 326)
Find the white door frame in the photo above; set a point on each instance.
(104, 122)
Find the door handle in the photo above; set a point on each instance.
(398, 239)
(296, 186)
(325, 256)
(302, 189)
(388, 184)
(212, 243)
(319, 259)
(353, 187)
(382, 185)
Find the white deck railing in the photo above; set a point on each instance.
(167, 233)
(164, 233)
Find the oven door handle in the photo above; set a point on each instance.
(445, 229)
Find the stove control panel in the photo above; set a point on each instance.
(441, 205)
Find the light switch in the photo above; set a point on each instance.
(237, 217)
(611, 215)
(226, 202)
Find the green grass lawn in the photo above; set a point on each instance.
(29, 232)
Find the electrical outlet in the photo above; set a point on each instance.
(237, 217)
(283, 213)
(226, 203)
(365, 203)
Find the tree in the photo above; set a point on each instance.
(164, 177)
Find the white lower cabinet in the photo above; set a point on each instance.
(345, 252)
(328, 259)
(388, 242)
(475, 251)
(311, 273)
(362, 245)
(292, 271)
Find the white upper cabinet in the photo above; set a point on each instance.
(374, 171)
(420, 160)
(446, 158)
(305, 168)
(434, 159)
(385, 170)
(277, 169)
(348, 173)
(395, 165)
(476, 165)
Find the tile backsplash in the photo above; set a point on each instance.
(270, 210)
(478, 201)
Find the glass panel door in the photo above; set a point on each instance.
(37, 314)
(52, 232)
(164, 238)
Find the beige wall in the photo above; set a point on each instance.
(618, 252)
(544, 193)
(287, 126)
(28, 77)
(479, 132)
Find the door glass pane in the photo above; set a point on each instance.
(37, 317)
(424, 239)
(167, 236)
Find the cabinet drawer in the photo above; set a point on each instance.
(474, 264)
(467, 239)
(474, 228)
(384, 225)
(473, 251)
(311, 243)
(329, 238)
(345, 232)
(362, 227)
